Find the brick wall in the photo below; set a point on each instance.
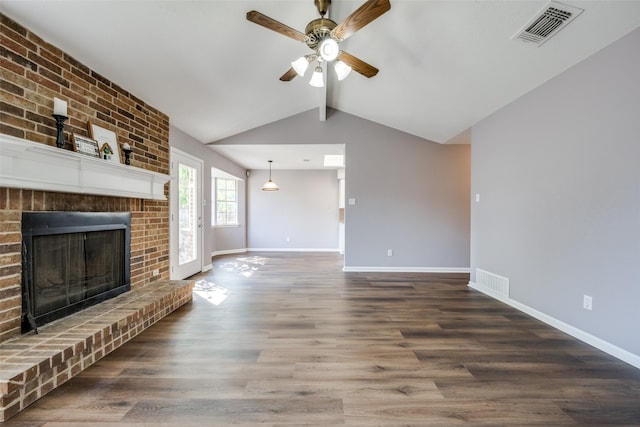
(33, 72)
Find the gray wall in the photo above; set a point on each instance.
(558, 173)
(215, 239)
(304, 210)
(412, 195)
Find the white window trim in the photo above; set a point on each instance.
(214, 215)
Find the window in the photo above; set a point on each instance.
(226, 206)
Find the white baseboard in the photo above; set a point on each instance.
(207, 267)
(293, 250)
(406, 269)
(607, 347)
(227, 252)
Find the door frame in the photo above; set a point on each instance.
(173, 211)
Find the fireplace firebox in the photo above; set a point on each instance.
(72, 260)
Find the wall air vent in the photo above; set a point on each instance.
(551, 19)
(492, 283)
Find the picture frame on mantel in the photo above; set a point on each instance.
(84, 145)
(105, 136)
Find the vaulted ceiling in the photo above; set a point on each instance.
(444, 65)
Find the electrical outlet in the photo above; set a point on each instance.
(389, 252)
(156, 272)
(287, 239)
(587, 302)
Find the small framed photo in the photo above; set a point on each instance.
(84, 145)
(106, 140)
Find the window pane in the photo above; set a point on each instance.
(187, 215)
(226, 202)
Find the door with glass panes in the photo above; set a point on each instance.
(186, 215)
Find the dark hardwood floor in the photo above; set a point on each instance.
(289, 339)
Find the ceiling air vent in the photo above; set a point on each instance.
(551, 19)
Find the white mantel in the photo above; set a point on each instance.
(34, 166)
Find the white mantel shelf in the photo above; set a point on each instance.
(34, 166)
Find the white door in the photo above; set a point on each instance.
(186, 215)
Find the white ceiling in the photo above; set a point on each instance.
(444, 64)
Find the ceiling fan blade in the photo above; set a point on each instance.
(260, 19)
(366, 13)
(358, 65)
(289, 75)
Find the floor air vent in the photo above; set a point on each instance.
(547, 23)
(492, 282)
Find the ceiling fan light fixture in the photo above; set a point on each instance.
(323, 35)
(329, 49)
(317, 79)
(342, 70)
(300, 65)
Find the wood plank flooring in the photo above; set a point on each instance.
(289, 339)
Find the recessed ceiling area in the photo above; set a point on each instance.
(284, 156)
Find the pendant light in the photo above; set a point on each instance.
(270, 185)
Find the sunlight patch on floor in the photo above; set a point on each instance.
(244, 266)
(211, 292)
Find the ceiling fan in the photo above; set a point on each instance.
(323, 36)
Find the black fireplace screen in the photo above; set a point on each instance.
(72, 260)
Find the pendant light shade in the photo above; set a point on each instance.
(317, 79)
(342, 70)
(300, 65)
(270, 185)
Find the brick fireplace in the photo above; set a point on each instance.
(149, 249)
(33, 72)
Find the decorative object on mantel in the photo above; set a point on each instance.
(270, 185)
(107, 136)
(60, 114)
(106, 151)
(126, 148)
(86, 146)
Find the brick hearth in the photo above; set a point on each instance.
(35, 364)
